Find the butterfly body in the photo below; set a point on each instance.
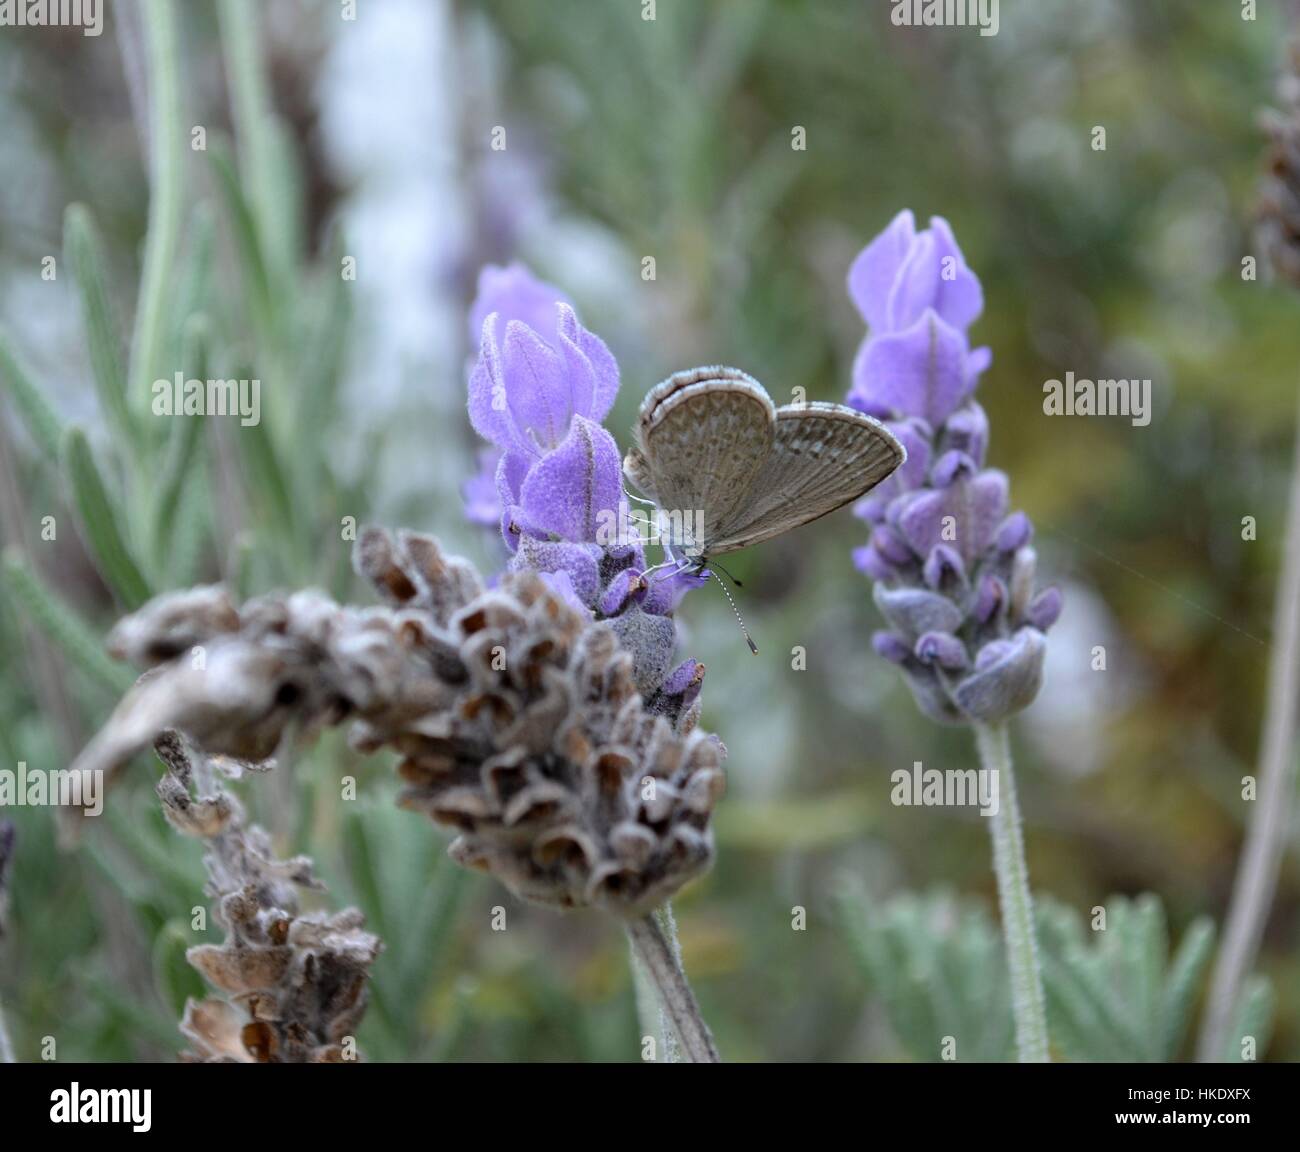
(714, 451)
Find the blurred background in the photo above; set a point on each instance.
(669, 138)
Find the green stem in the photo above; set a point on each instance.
(1270, 822)
(165, 191)
(6, 1045)
(1014, 899)
(656, 955)
(650, 1012)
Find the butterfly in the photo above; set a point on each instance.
(712, 449)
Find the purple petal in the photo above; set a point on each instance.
(944, 567)
(1015, 532)
(617, 592)
(966, 515)
(890, 545)
(943, 649)
(511, 470)
(891, 646)
(665, 593)
(488, 409)
(951, 467)
(871, 563)
(482, 504)
(1045, 608)
(537, 389)
(959, 299)
(573, 491)
(917, 372)
(967, 431)
(916, 287)
(872, 274)
(514, 293)
(1007, 676)
(914, 611)
(600, 366)
(991, 597)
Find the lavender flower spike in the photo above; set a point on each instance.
(538, 392)
(953, 571)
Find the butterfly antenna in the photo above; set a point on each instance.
(752, 646)
(728, 575)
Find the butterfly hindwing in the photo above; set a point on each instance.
(823, 456)
(703, 436)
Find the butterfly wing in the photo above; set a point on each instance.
(823, 456)
(702, 437)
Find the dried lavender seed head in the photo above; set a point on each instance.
(295, 985)
(521, 721)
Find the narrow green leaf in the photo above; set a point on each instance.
(1254, 1022)
(194, 277)
(63, 625)
(282, 224)
(182, 444)
(42, 422)
(252, 262)
(326, 325)
(100, 526)
(166, 191)
(85, 254)
(1180, 985)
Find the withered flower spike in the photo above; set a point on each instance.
(519, 719)
(296, 984)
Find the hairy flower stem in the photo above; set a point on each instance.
(1014, 899)
(1252, 891)
(652, 1019)
(657, 956)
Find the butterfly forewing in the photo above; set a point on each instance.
(822, 457)
(703, 437)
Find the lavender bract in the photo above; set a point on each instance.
(953, 572)
(538, 392)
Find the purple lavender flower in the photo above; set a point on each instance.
(953, 572)
(538, 392)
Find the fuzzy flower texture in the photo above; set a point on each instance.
(516, 716)
(953, 572)
(538, 392)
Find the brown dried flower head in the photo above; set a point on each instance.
(296, 983)
(518, 718)
(560, 779)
